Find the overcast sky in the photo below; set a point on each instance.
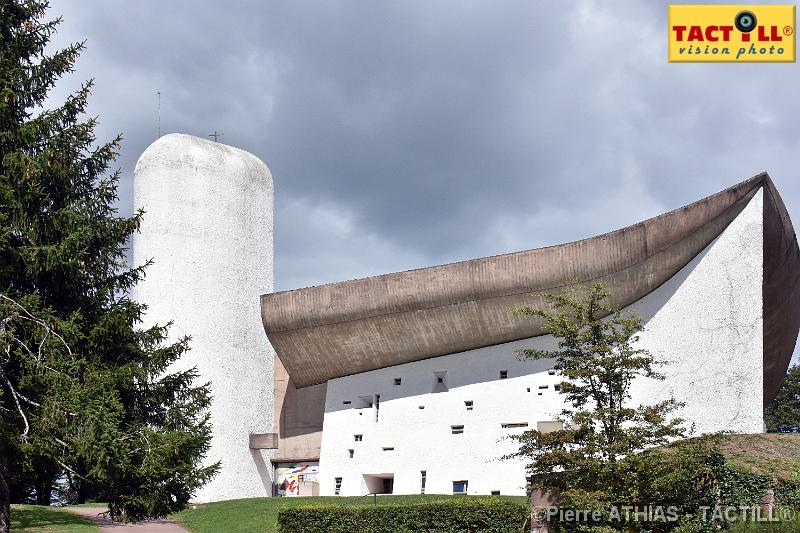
(407, 134)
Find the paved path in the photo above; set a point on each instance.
(107, 526)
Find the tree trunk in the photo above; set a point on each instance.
(83, 490)
(5, 496)
(44, 488)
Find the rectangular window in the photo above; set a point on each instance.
(423, 477)
(398, 381)
(456, 430)
(388, 485)
(422, 407)
(514, 425)
(503, 374)
(358, 438)
(543, 386)
(557, 388)
(495, 493)
(459, 487)
(350, 453)
(337, 485)
(468, 405)
(548, 426)
(440, 381)
(364, 402)
(377, 405)
(346, 402)
(388, 448)
(551, 372)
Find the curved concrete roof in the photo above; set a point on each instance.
(354, 326)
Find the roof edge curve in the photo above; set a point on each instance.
(354, 326)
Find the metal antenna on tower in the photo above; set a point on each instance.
(215, 135)
(159, 113)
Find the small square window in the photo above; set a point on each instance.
(440, 381)
(398, 381)
(539, 393)
(529, 389)
(456, 430)
(350, 453)
(358, 438)
(364, 402)
(468, 405)
(459, 487)
(503, 374)
(557, 388)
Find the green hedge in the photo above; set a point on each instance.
(788, 493)
(483, 514)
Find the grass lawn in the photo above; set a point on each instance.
(260, 515)
(39, 519)
(769, 454)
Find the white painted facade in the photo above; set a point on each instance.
(706, 321)
(208, 228)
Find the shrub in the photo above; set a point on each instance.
(691, 476)
(739, 488)
(459, 515)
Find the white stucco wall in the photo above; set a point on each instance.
(706, 321)
(208, 227)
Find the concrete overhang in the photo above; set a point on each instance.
(345, 328)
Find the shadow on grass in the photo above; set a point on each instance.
(32, 518)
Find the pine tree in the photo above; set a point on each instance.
(783, 414)
(85, 392)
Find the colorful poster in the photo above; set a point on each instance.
(295, 479)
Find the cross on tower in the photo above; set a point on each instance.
(215, 135)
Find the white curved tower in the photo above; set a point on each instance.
(208, 229)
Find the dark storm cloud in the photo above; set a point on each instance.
(406, 134)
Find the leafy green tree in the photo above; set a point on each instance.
(783, 414)
(85, 392)
(592, 462)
